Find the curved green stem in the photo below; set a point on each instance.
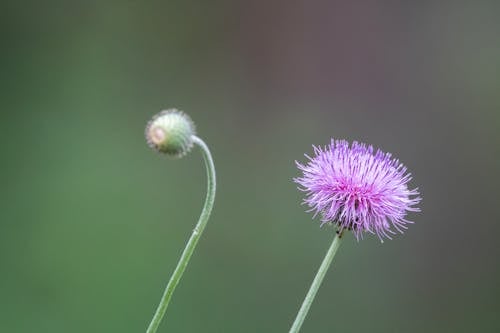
(304, 309)
(195, 236)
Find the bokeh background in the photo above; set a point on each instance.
(93, 222)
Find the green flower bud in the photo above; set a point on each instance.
(171, 132)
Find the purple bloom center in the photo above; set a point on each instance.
(357, 189)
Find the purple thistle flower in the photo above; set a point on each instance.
(357, 189)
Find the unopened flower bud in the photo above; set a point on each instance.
(171, 132)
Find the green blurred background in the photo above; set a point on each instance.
(93, 222)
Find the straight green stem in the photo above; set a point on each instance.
(193, 240)
(304, 309)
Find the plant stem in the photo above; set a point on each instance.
(193, 240)
(304, 309)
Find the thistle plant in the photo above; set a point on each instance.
(356, 189)
(172, 132)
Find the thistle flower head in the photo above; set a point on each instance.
(358, 189)
(170, 132)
